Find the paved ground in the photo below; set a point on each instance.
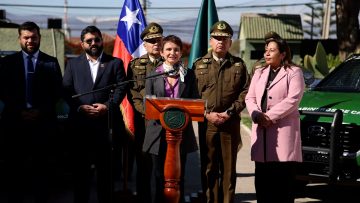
(245, 191)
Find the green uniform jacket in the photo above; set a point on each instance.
(223, 86)
(138, 69)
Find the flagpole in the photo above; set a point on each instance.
(127, 46)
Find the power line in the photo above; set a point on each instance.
(158, 8)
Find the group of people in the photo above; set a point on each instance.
(31, 83)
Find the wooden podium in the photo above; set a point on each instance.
(174, 115)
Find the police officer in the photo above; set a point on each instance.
(223, 81)
(138, 70)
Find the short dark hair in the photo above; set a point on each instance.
(90, 29)
(174, 39)
(28, 25)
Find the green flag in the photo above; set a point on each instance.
(200, 42)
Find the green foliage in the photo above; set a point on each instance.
(321, 63)
(317, 64)
(246, 121)
(333, 61)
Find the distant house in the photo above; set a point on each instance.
(253, 28)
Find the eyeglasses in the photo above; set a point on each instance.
(89, 41)
(153, 40)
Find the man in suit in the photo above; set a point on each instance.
(223, 81)
(89, 113)
(138, 69)
(30, 86)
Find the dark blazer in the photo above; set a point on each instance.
(154, 130)
(46, 88)
(78, 79)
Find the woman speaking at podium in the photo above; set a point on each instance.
(179, 83)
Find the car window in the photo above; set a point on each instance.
(345, 78)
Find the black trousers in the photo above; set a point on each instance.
(274, 182)
(27, 159)
(92, 147)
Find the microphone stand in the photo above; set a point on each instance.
(112, 88)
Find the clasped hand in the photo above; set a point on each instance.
(217, 118)
(263, 120)
(94, 110)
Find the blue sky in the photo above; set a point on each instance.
(231, 15)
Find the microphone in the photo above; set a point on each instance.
(175, 70)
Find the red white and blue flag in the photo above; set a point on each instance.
(128, 45)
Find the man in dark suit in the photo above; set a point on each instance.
(30, 86)
(89, 113)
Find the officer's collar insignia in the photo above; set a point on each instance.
(154, 29)
(143, 60)
(221, 26)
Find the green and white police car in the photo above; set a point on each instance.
(330, 126)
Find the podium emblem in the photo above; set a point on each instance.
(174, 118)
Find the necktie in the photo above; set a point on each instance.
(221, 61)
(29, 79)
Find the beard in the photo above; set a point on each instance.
(94, 50)
(30, 50)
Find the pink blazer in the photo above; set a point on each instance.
(283, 141)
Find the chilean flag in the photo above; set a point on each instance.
(128, 45)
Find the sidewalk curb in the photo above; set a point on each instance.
(246, 129)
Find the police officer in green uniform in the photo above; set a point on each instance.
(138, 70)
(223, 81)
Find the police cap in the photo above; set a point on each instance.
(221, 28)
(153, 30)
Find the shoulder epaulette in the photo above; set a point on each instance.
(132, 60)
(206, 60)
(197, 59)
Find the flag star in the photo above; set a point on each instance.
(130, 17)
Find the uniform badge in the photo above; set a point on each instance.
(153, 29)
(202, 66)
(140, 67)
(221, 26)
(143, 60)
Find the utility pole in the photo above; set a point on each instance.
(144, 7)
(326, 20)
(66, 28)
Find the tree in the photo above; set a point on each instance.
(347, 23)
(314, 20)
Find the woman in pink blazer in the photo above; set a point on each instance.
(272, 101)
